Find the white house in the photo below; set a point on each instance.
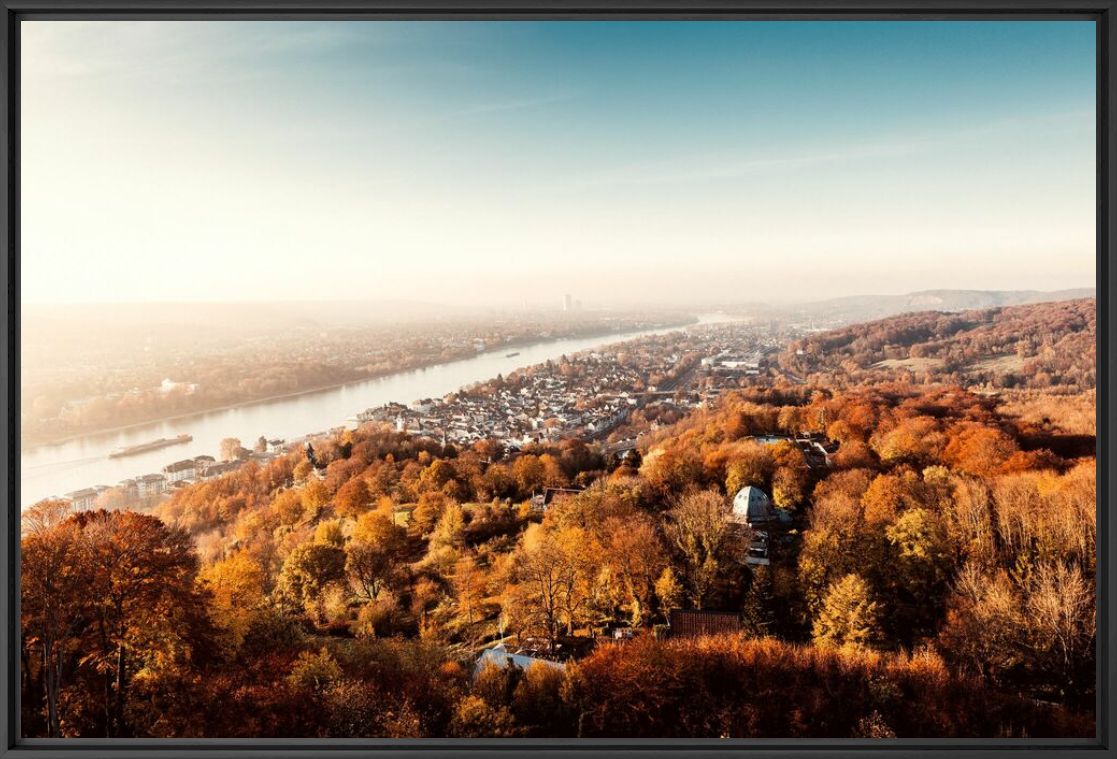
(150, 484)
(187, 469)
(82, 499)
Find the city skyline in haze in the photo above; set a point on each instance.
(480, 163)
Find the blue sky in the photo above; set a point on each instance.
(480, 162)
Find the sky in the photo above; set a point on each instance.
(493, 163)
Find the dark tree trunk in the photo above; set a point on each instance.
(51, 678)
(25, 672)
(121, 729)
(108, 704)
(106, 680)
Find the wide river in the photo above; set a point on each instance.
(51, 470)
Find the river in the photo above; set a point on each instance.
(51, 470)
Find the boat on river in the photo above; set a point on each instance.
(154, 445)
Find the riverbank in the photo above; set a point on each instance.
(32, 445)
(47, 471)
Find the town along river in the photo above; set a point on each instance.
(51, 470)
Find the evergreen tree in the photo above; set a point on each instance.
(849, 615)
(757, 613)
(669, 591)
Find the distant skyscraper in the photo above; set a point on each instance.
(567, 302)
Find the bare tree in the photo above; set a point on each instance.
(1061, 610)
(701, 530)
(230, 448)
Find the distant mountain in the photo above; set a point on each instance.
(859, 308)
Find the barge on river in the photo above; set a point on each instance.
(154, 445)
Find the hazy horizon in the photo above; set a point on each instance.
(553, 303)
(738, 377)
(495, 163)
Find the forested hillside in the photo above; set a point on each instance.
(935, 576)
(863, 308)
(1035, 346)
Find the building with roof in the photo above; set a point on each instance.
(209, 471)
(693, 623)
(84, 498)
(187, 469)
(502, 657)
(752, 506)
(757, 553)
(150, 484)
(542, 501)
(128, 488)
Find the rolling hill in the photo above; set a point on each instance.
(860, 308)
(1041, 345)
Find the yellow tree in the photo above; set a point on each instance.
(470, 589)
(849, 615)
(236, 586)
(552, 590)
(53, 597)
(668, 591)
(374, 554)
(314, 497)
(635, 555)
(353, 498)
(141, 578)
(308, 573)
(700, 530)
(449, 532)
(752, 464)
(529, 473)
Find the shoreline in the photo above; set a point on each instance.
(214, 410)
(323, 388)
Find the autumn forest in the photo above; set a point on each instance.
(926, 567)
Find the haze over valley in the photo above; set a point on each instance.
(101, 378)
(558, 379)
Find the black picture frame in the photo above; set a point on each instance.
(1102, 12)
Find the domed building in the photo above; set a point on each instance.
(752, 506)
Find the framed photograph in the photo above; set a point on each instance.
(406, 378)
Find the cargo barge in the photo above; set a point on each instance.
(154, 445)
